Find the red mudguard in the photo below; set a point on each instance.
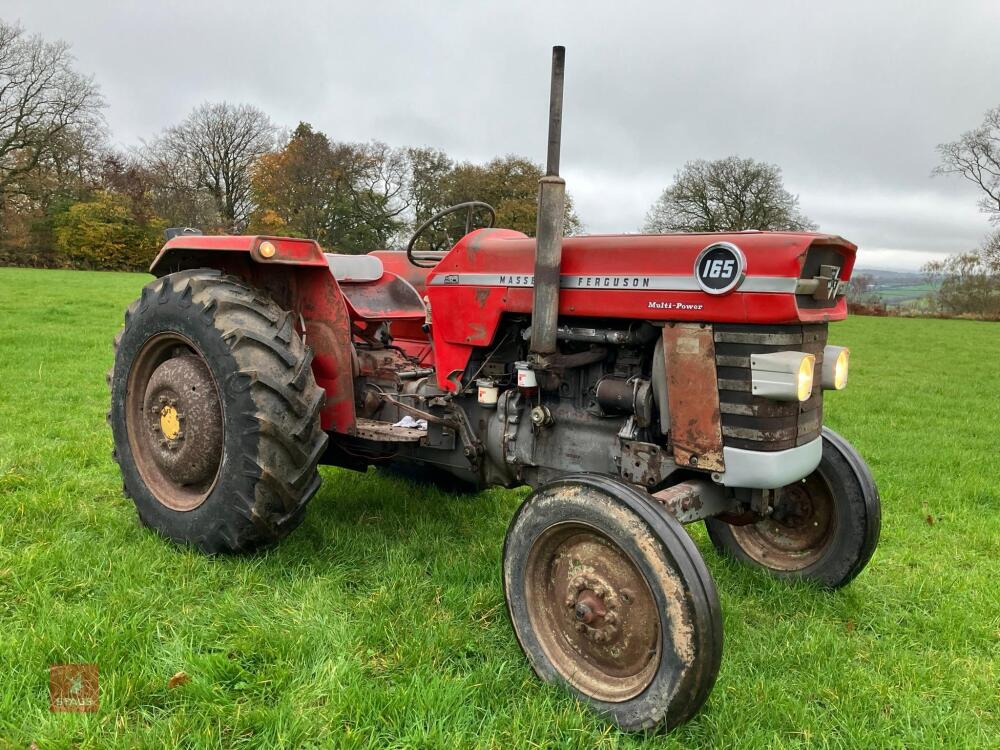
(295, 273)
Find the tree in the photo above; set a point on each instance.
(726, 195)
(429, 169)
(976, 157)
(508, 183)
(45, 106)
(213, 150)
(102, 233)
(969, 282)
(349, 197)
(863, 291)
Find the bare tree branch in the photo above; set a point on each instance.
(213, 150)
(42, 99)
(976, 157)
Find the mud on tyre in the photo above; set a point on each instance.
(609, 596)
(215, 413)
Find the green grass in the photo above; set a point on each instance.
(381, 623)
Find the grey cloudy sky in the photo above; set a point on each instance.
(849, 98)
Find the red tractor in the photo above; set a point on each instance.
(636, 383)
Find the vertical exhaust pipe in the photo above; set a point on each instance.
(549, 230)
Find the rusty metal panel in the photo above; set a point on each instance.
(693, 395)
(387, 432)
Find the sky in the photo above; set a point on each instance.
(848, 98)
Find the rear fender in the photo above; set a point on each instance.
(298, 278)
(188, 250)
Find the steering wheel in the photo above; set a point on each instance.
(470, 208)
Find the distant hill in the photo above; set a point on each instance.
(894, 278)
(898, 288)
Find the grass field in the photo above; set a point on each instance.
(906, 295)
(903, 295)
(381, 622)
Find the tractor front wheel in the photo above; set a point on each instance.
(609, 596)
(215, 413)
(824, 528)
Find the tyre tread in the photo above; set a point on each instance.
(286, 424)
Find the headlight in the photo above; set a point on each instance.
(835, 361)
(806, 370)
(783, 376)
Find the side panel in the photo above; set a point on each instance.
(693, 395)
(316, 296)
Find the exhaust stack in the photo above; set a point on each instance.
(549, 230)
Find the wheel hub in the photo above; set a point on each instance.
(170, 422)
(185, 422)
(595, 606)
(175, 424)
(596, 616)
(798, 531)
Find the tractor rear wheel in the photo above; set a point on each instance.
(608, 595)
(215, 413)
(824, 528)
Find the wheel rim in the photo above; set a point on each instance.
(798, 532)
(174, 420)
(593, 612)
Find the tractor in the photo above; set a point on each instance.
(634, 383)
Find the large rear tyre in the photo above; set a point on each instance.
(215, 413)
(824, 529)
(608, 595)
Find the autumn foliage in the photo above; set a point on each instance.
(102, 233)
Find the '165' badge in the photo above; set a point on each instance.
(720, 268)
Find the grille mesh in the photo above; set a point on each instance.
(763, 424)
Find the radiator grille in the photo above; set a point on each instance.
(763, 424)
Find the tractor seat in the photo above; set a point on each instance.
(372, 293)
(354, 268)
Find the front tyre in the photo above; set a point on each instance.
(824, 528)
(215, 413)
(608, 595)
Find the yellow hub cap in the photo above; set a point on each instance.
(170, 423)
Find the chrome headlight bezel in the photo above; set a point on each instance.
(836, 366)
(783, 376)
